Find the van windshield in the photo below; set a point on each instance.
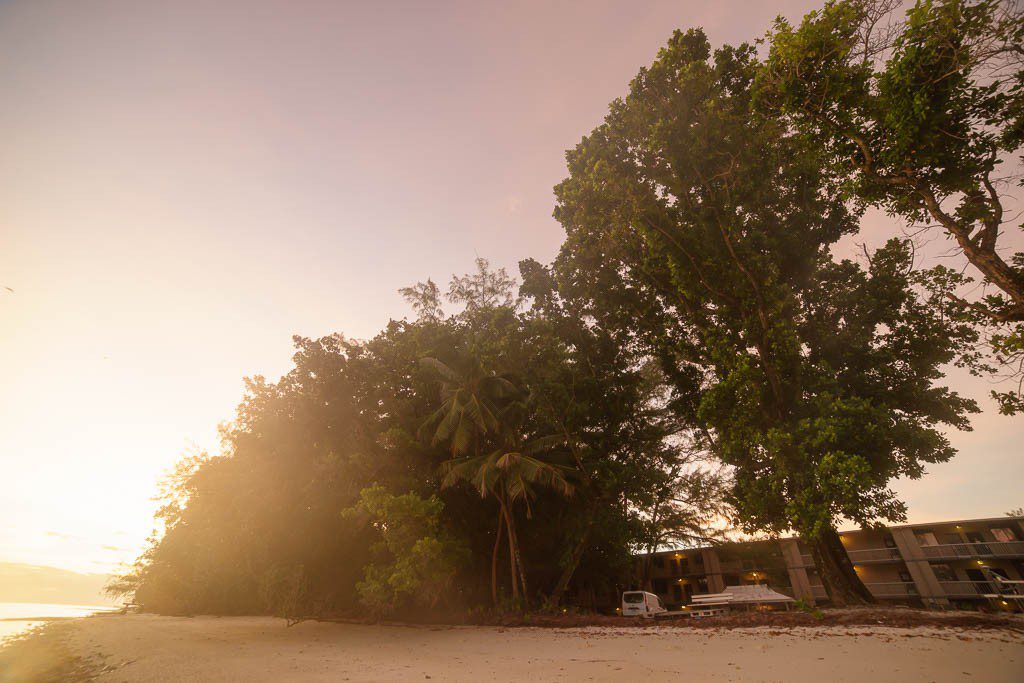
(632, 598)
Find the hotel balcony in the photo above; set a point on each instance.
(866, 556)
(886, 590)
(966, 589)
(735, 567)
(893, 589)
(874, 555)
(954, 551)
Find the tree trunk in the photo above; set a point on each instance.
(574, 562)
(645, 578)
(517, 562)
(836, 570)
(511, 551)
(494, 559)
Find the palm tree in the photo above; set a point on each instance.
(467, 414)
(478, 407)
(469, 406)
(510, 476)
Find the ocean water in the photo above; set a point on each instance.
(18, 617)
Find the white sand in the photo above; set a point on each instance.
(150, 648)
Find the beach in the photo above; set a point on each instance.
(155, 648)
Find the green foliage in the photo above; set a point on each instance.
(425, 299)
(484, 289)
(918, 118)
(469, 409)
(257, 530)
(283, 592)
(701, 228)
(418, 561)
(807, 608)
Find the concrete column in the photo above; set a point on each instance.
(921, 572)
(713, 570)
(798, 578)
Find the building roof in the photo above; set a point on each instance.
(952, 522)
(755, 595)
(982, 520)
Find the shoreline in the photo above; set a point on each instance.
(144, 647)
(56, 618)
(891, 617)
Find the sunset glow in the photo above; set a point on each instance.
(186, 185)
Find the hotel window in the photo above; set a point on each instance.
(1004, 535)
(659, 561)
(890, 542)
(926, 538)
(943, 572)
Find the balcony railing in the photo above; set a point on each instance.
(894, 589)
(952, 551)
(874, 555)
(866, 556)
(965, 589)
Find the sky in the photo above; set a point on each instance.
(185, 185)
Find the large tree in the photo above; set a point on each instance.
(702, 229)
(922, 116)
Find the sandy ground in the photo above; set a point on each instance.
(151, 648)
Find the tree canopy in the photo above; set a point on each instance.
(366, 462)
(920, 116)
(703, 229)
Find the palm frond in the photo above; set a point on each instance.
(488, 477)
(446, 373)
(533, 471)
(450, 423)
(459, 469)
(430, 425)
(462, 436)
(498, 386)
(547, 443)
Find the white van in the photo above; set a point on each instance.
(642, 604)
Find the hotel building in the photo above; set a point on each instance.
(932, 565)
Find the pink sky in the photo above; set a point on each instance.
(187, 184)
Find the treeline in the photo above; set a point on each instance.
(450, 462)
(695, 319)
